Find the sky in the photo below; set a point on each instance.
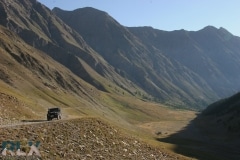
(167, 15)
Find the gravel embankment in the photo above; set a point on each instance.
(85, 138)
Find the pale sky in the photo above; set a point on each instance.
(168, 15)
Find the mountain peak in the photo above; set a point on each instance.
(90, 9)
(209, 28)
(88, 14)
(85, 10)
(221, 32)
(214, 29)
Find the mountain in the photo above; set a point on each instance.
(176, 68)
(31, 81)
(89, 65)
(211, 53)
(41, 68)
(165, 79)
(40, 28)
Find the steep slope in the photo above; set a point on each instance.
(39, 27)
(166, 80)
(31, 81)
(211, 53)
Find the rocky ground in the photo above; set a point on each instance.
(12, 110)
(85, 138)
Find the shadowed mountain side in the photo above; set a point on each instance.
(211, 53)
(194, 142)
(214, 134)
(165, 79)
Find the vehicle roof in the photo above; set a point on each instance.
(54, 108)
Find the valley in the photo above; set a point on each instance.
(125, 92)
(93, 136)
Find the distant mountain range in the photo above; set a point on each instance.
(179, 68)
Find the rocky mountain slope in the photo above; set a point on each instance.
(185, 67)
(32, 81)
(40, 28)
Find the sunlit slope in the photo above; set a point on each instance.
(31, 82)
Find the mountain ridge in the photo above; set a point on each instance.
(131, 46)
(177, 68)
(202, 47)
(58, 40)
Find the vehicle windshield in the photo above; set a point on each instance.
(54, 110)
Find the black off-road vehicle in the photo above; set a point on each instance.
(54, 113)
